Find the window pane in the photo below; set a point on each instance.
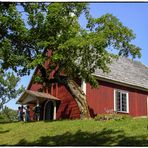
(124, 102)
(118, 106)
(121, 101)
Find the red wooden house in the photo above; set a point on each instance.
(124, 90)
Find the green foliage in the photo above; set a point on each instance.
(8, 90)
(75, 133)
(76, 51)
(12, 35)
(114, 116)
(8, 115)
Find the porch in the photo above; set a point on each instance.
(47, 102)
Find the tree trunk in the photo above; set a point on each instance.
(80, 98)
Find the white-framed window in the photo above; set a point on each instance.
(121, 101)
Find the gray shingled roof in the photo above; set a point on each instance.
(127, 71)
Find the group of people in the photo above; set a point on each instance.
(25, 116)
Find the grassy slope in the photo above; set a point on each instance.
(76, 132)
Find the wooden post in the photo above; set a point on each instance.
(37, 102)
(54, 110)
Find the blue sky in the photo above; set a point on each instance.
(132, 15)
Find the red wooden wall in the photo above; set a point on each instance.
(101, 99)
(67, 107)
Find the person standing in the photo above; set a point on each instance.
(27, 114)
(19, 113)
(37, 112)
(23, 116)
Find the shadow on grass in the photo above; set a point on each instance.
(7, 122)
(2, 132)
(106, 137)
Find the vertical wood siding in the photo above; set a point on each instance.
(67, 107)
(101, 100)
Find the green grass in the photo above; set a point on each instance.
(129, 132)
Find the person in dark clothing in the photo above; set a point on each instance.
(19, 113)
(37, 112)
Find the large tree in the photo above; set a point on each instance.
(29, 30)
(8, 90)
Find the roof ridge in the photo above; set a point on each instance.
(133, 60)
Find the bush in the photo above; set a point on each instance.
(113, 116)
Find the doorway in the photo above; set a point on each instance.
(48, 110)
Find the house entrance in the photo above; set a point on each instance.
(48, 110)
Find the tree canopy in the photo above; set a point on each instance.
(8, 90)
(28, 30)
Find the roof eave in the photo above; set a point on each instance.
(121, 83)
(20, 98)
(26, 92)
